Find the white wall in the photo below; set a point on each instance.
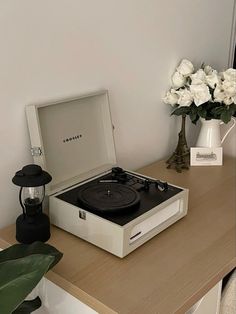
(61, 48)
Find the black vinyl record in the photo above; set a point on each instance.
(108, 198)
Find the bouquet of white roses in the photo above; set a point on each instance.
(205, 93)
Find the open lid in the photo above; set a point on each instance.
(72, 139)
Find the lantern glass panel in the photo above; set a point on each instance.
(32, 195)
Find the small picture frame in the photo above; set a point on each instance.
(206, 156)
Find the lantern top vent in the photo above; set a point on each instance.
(31, 176)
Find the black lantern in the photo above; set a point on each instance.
(33, 224)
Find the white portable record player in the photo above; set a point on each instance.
(90, 197)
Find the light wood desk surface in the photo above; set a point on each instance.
(169, 273)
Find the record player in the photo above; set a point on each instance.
(90, 196)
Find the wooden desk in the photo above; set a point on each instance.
(172, 271)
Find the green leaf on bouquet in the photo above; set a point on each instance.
(193, 115)
(218, 110)
(232, 109)
(202, 112)
(181, 111)
(226, 116)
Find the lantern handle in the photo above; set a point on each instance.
(43, 194)
(20, 194)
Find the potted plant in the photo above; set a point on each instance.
(203, 94)
(21, 268)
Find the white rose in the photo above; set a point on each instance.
(171, 98)
(185, 68)
(230, 75)
(219, 94)
(185, 97)
(229, 88)
(212, 79)
(234, 99)
(221, 76)
(228, 101)
(208, 70)
(200, 93)
(198, 78)
(178, 80)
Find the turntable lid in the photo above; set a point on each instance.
(72, 139)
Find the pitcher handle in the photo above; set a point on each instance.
(224, 137)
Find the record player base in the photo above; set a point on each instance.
(116, 239)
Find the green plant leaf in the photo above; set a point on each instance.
(18, 278)
(21, 250)
(217, 110)
(202, 112)
(226, 116)
(232, 109)
(28, 306)
(181, 111)
(193, 116)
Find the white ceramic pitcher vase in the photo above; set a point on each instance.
(209, 135)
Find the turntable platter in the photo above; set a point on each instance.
(108, 198)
